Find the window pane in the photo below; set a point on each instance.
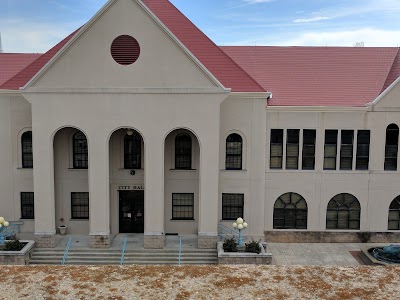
(343, 212)
(80, 151)
(80, 205)
(346, 150)
(290, 211)
(182, 206)
(234, 147)
(330, 149)
(133, 151)
(292, 149)
(232, 206)
(27, 152)
(308, 161)
(183, 151)
(391, 149)
(276, 149)
(27, 205)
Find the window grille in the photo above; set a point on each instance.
(80, 151)
(234, 149)
(27, 205)
(343, 212)
(232, 206)
(182, 206)
(308, 161)
(290, 212)
(346, 150)
(80, 205)
(330, 151)
(276, 149)
(391, 149)
(183, 152)
(292, 149)
(394, 214)
(27, 151)
(133, 151)
(362, 158)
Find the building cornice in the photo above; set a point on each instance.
(250, 95)
(144, 90)
(10, 92)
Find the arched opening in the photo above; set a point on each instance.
(394, 214)
(126, 159)
(343, 212)
(290, 212)
(181, 182)
(71, 187)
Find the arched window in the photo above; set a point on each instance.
(394, 214)
(343, 212)
(183, 152)
(26, 146)
(290, 212)
(391, 149)
(234, 150)
(133, 151)
(80, 153)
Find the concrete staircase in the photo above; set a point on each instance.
(112, 257)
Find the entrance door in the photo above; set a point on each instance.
(131, 211)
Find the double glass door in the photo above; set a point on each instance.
(131, 211)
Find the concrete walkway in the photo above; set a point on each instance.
(317, 253)
(282, 253)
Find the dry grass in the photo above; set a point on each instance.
(199, 282)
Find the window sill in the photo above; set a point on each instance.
(79, 219)
(180, 220)
(78, 169)
(183, 170)
(233, 170)
(21, 168)
(27, 219)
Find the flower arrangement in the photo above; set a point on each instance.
(3, 222)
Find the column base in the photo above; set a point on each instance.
(207, 242)
(45, 240)
(99, 241)
(154, 241)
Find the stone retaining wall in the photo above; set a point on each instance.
(243, 258)
(17, 257)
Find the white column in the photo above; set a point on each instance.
(209, 185)
(154, 193)
(43, 183)
(99, 194)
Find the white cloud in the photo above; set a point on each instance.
(249, 2)
(315, 19)
(370, 36)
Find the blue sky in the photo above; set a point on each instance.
(37, 25)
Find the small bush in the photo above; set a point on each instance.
(230, 245)
(14, 246)
(253, 246)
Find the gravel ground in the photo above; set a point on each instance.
(199, 282)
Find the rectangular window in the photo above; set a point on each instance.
(362, 158)
(27, 205)
(182, 206)
(346, 150)
(309, 136)
(330, 151)
(232, 206)
(292, 149)
(79, 205)
(276, 148)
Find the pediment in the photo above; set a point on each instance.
(87, 60)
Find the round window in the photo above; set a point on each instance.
(125, 50)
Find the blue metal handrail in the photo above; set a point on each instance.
(64, 259)
(224, 230)
(123, 253)
(180, 249)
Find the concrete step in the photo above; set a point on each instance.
(112, 256)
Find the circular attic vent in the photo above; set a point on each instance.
(125, 50)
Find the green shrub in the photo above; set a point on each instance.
(230, 245)
(253, 246)
(14, 246)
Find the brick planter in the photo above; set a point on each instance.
(243, 258)
(17, 257)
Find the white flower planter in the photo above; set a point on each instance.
(63, 229)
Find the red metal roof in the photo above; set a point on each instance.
(319, 76)
(12, 63)
(211, 56)
(20, 79)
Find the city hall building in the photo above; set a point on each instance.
(139, 123)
